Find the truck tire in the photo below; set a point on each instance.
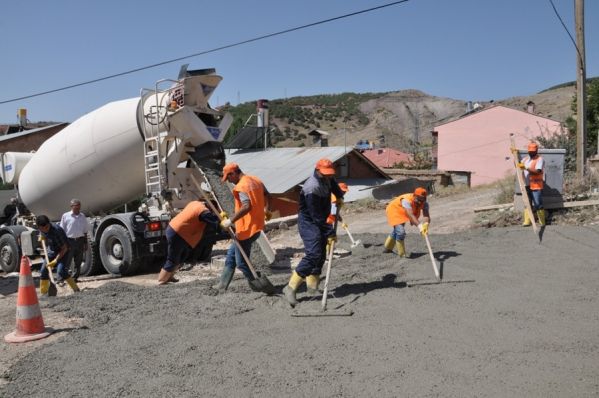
(91, 264)
(116, 251)
(9, 253)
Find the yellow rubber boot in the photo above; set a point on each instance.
(312, 282)
(541, 215)
(72, 284)
(44, 287)
(389, 243)
(401, 248)
(527, 221)
(294, 282)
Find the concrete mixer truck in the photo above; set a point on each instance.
(138, 147)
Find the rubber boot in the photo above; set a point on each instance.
(225, 279)
(44, 287)
(527, 221)
(401, 248)
(541, 215)
(71, 282)
(294, 282)
(312, 282)
(389, 243)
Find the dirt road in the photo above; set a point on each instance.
(511, 318)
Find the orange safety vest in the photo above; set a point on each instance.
(535, 180)
(397, 214)
(253, 221)
(331, 218)
(188, 225)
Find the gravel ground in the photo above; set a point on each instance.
(512, 317)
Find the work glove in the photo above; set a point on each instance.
(423, 228)
(224, 214)
(331, 239)
(52, 264)
(521, 166)
(267, 215)
(41, 238)
(226, 223)
(344, 225)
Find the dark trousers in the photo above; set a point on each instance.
(315, 243)
(76, 254)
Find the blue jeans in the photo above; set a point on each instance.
(399, 232)
(234, 257)
(61, 268)
(177, 250)
(535, 197)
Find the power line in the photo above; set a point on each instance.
(206, 52)
(565, 28)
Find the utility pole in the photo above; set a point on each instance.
(581, 127)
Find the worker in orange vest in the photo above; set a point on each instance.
(252, 202)
(331, 218)
(404, 208)
(533, 166)
(183, 234)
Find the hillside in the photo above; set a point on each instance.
(398, 119)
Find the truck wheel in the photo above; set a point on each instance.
(116, 251)
(91, 264)
(9, 253)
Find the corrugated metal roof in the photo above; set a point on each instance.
(283, 168)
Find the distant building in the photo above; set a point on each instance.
(387, 157)
(480, 142)
(319, 137)
(283, 170)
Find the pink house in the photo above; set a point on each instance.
(480, 142)
(386, 157)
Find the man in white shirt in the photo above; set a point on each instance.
(76, 227)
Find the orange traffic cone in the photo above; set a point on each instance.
(30, 324)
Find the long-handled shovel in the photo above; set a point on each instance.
(260, 282)
(354, 243)
(430, 252)
(52, 280)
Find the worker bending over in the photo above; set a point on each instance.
(183, 234)
(314, 208)
(57, 249)
(533, 166)
(404, 208)
(251, 211)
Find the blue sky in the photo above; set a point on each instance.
(462, 49)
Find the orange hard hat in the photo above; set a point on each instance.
(420, 192)
(343, 186)
(228, 169)
(533, 147)
(326, 167)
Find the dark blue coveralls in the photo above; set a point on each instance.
(314, 208)
(55, 239)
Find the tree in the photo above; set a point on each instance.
(567, 139)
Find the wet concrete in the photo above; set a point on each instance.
(512, 317)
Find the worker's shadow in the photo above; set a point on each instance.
(387, 281)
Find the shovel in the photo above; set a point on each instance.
(354, 243)
(52, 291)
(430, 252)
(260, 282)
